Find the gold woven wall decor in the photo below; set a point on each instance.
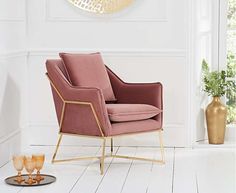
(101, 6)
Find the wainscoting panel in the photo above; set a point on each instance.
(145, 11)
(150, 24)
(13, 10)
(131, 67)
(13, 102)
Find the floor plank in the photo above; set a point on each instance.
(217, 172)
(211, 170)
(91, 178)
(67, 173)
(201, 170)
(64, 152)
(6, 171)
(116, 175)
(140, 172)
(184, 166)
(161, 175)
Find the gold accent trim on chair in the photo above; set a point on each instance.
(102, 137)
(65, 102)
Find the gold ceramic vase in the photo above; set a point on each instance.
(216, 114)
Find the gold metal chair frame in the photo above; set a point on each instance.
(102, 137)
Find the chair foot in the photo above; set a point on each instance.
(111, 146)
(161, 146)
(57, 146)
(103, 156)
(100, 167)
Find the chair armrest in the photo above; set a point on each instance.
(144, 93)
(94, 98)
(139, 93)
(79, 96)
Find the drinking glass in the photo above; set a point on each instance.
(39, 160)
(29, 163)
(18, 162)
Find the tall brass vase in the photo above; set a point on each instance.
(216, 114)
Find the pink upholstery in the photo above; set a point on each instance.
(79, 119)
(131, 112)
(135, 127)
(88, 70)
(138, 93)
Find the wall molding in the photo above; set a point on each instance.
(92, 18)
(118, 52)
(191, 77)
(18, 19)
(13, 54)
(9, 136)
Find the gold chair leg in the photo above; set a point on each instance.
(111, 146)
(58, 144)
(161, 147)
(102, 157)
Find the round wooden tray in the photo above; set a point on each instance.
(48, 179)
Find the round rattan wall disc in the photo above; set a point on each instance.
(101, 6)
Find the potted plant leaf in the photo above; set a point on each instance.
(216, 84)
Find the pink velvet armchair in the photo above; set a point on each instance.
(90, 100)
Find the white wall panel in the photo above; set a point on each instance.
(145, 43)
(131, 67)
(12, 36)
(12, 25)
(203, 37)
(13, 103)
(12, 109)
(13, 73)
(156, 68)
(149, 10)
(107, 33)
(12, 10)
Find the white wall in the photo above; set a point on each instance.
(148, 42)
(152, 40)
(204, 41)
(210, 44)
(12, 77)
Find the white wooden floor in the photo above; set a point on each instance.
(203, 170)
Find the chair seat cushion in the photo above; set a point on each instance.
(135, 127)
(131, 112)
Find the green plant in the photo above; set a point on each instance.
(231, 114)
(215, 82)
(231, 94)
(231, 16)
(231, 60)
